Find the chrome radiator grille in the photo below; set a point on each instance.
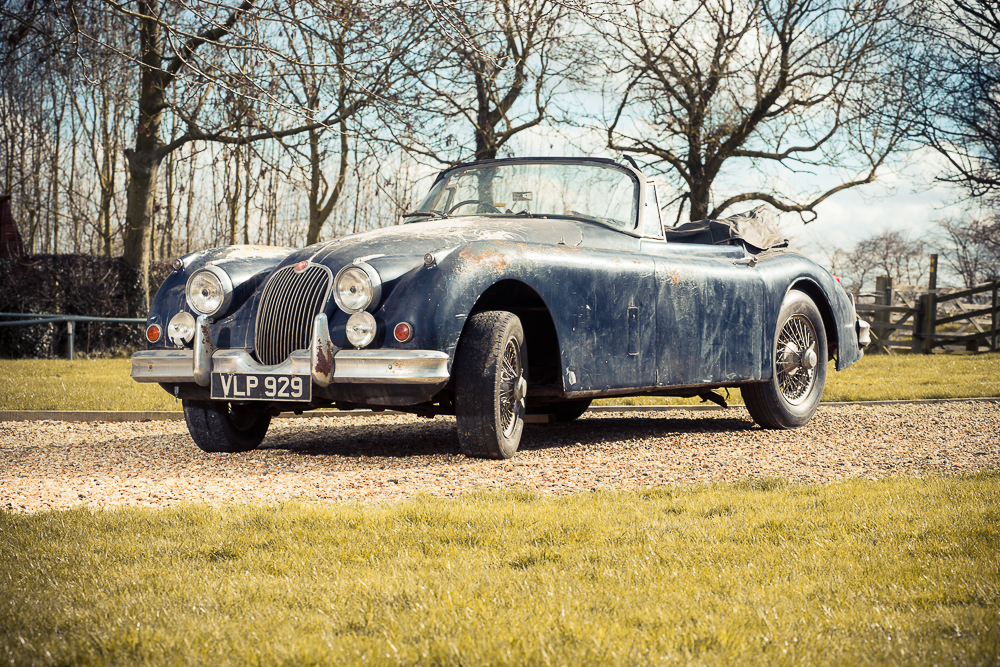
(290, 302)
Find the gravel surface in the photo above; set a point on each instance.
(52, 464)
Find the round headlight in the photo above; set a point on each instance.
(209, 290)
(361, 329)
(181, 328)
(357, 287)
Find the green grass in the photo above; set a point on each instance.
(902, 571)
(888, 378)
(104, 384)
(884, 378)
(84, 384)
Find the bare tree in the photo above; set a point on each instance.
(490, 71)
(958, 109)
(973, 248)
(355, 84)
(888, 253)
(756, 89)
(189, 58)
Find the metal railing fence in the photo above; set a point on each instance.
(70, 320)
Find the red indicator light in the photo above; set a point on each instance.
(153, 333)
(837, 278)
(403, 332)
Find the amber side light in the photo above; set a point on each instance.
(153, 333)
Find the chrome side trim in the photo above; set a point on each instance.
(163, 366)
(391, 366)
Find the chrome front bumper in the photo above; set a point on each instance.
(323, 361)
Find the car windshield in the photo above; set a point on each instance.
(598, 192)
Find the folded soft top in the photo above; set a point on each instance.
(756, 229)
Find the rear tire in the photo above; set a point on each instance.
(490, 385)
(226, 428)
(798, 368)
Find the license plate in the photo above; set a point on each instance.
(261, 387)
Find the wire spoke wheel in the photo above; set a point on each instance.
(796, 362)
(790, 397)
(510, 380)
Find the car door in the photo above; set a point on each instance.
(709, 314)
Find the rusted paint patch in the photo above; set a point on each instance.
(206, 335)
(484, 258)
(324, 361)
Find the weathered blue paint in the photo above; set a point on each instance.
(606, 312)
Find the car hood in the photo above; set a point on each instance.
(417, 238)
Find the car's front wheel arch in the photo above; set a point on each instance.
(814, 292)
(541, 340)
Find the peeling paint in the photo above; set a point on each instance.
(324, 361)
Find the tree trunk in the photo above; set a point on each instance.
(144, 160)
(234, 200)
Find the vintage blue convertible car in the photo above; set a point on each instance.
(518, 286)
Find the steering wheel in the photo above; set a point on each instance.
(463, 203)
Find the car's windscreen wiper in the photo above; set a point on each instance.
(431, 213)
(526, 213)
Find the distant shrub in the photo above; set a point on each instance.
(72, 285)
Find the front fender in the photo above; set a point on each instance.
(247, 266)
(790, 271)
(437, 299)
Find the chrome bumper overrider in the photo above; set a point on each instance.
(324, 362)
(864, 333)
(861, 328)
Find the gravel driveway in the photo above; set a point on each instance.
(47, 465)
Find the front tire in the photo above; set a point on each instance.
(798, 368)
(490, 385)
(226, 428)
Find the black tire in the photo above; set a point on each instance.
(490, 385)
(791, 396)
(228, 428)
(563, 411)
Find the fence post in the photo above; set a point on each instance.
(70, 326)
(993, 318)
(883, 297)
(930, 307)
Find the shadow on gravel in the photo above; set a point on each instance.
(439, 437)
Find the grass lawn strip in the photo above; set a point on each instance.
(900, 571)
(104, 384)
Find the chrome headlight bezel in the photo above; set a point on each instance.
(367, 276)
(225, 285)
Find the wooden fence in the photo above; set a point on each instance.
(921, 319)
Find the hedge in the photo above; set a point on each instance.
(71, 285)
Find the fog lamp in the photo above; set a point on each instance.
(180, 330)
(361, 329)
